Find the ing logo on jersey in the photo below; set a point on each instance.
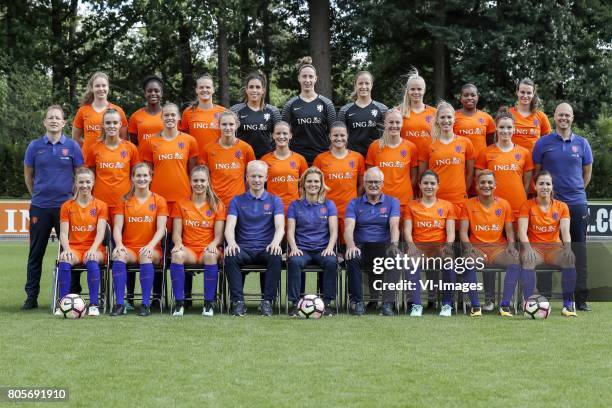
(498, 212)
(292, 164)
(555, 216)
(238, 154)
(374, 112)
(481, 121)
(458, 149)
(208, 213)
(266, 117)
(352, 164)
(152, 207)
(123, 154)
(440, 212)
(517, 156)
(181, 145)
(403, 153)
(319, 108)
(428, 118)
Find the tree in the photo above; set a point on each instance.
(319, 12)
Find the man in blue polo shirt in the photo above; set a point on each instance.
(569, 159)
(371, 230)
(254, 230)
(49, 165)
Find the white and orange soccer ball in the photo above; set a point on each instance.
(310, 307)
(72, 306)
(536, 307)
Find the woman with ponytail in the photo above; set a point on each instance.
(530, 123)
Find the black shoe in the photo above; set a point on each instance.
(357, 308)
(239, 308)
(582, 306)
(372, 305)
(144, 311)
(293, 310)
(155, 304)
(328, 310)
(431, 305)
(188, 303)
(387, 309)
(30, 303)
(266, 308)
(118, 310)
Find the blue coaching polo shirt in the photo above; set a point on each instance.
(311, 223)
(372, 220)
(255, 219)
(564, 160)
(53, 166)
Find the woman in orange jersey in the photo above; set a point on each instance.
(484, 220)
(147, 122)
(201, 119)
(111, 159)
(529, 122)
(476, 125)
(87, 123)
(429, 231)
(171, 155)
(139, 226)
(396, 158)
(257, 118)
(450, 156)
(544, 233)
(284, 166)
(227, 158)
(197, 233)
(343, 171)
(511, 164)
(418, 118)
(82, 227)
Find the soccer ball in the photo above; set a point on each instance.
(310, 307)
(72, 306)
(536, 307)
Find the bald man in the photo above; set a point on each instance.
(569, 159)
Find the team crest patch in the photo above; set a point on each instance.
(323, 210)
(555, 216)
(352, 164)
(403, 153)
(267, 207)
(440, 212)
(181, 145)
(208, 213)
(292, 164)
(319, 108)
(123, 154)
(481, 121)
(458, 149)
(64, 152)
(517, 156)
(536, 122)
(217, 115)
(428, 118)
(575, 149)
(93, 212)
(498, 212)
(383, 210)
(374, 113)
(266, 117)
(152, 207)
(238, 154)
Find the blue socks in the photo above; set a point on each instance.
(448, 276)
(513, 274)
(93, 281)
(528, 280)
(568, 284)
(119, 280)
(63, 278)
(210, 282)
(469, 276)
(146, 282)
(177, 276)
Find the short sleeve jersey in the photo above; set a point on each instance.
(364, 125)
(112, 167)
(311, 223)
(255, 219)
(83, 221)
(145, 125)
(170, 160)
(372, 221)
(256, 127)
(395, 163)
(284, 175)
(90, 121)
(528, 129)
(202, 124)
(341, 176)
(140, 219)
(310, 123)
(227, 168)
(198, 223)
(429, 223)
(449, 162)
(544, 225)
(418, 127)
(487, 224)
(475, 127)
(508, 168)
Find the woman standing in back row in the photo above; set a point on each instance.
(147, 122)
(309, 114)
(529, 122)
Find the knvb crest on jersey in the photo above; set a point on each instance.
(323, 210)
(292, 164)
(266, 117)
(555, 216)
(536, 122)
(65, 152)
(93, 212)
(458, 149)
(208, 213)
(319, 108)
(481, 121)
(517, 156)
(374, 112)
(152, 207)
(428, 118)
(352, 164)
(575, 149)
(123, 154)
(440, 212)
(267, 207)
(403, 153)
(498, 212)
(181, 145)
(238, 154)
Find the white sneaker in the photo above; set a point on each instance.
(488, 306)
(93, 311)
(179, 312)
(208, 310)
(416, 311)
(58, 313)
(446, 311)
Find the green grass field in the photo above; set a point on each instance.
(338, 361)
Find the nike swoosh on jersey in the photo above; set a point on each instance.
(244, 116)
(351, 114)
(298, 108)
